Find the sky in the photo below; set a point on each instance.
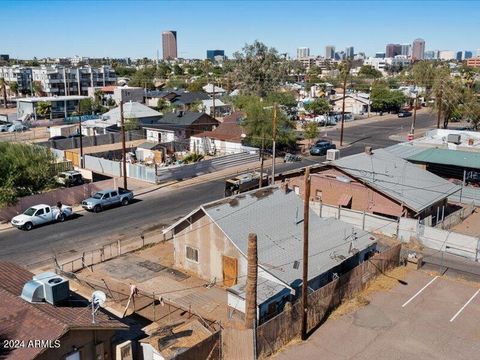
(120, 29)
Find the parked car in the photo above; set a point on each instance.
(404, 113)
(17, 127)
(320, 148)
(70, 178)
(58, 137)
(41, 214)
(107, 198)
(5, 127)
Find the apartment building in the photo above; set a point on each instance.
(58, 80)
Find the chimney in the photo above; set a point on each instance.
(368, 150)
(284, 187)
(251, 287)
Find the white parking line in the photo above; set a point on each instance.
(464, 306)
(419, 291)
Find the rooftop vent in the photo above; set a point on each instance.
(368, 150)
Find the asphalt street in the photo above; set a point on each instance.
(161, 207)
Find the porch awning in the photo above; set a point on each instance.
(344, 200)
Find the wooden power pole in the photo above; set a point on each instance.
(412, 131)
(306, 213)
(251, 287)
(274, 138)
(439, 114)
(81, 140)
(347, 70)
(124, 150)
(260, 182)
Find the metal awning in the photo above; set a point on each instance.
(344, 200)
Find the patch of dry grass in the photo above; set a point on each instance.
(380, 283)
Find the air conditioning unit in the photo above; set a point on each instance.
(55, 288)
(454, 138)
(333, 154)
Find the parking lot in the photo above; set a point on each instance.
(432, 317)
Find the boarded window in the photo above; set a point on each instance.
(192, 254)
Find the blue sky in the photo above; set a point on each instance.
(132, 28)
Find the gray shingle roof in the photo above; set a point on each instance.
(266, 289)
(397, 178)
(277, 219)
(187, 118)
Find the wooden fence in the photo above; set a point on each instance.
(281, 329)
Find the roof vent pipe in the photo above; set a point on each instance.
(368, 150)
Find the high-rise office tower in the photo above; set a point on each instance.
(303, 52)
(329, 52)
(418, 49)
(349, 52)
(169, 45)
(392, 50)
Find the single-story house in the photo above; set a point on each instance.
(150, 152)
(180, 125)
(187, 98)
(51, 329)
(354, 104)
(152, 96)
(211, 242)
(221, 109)
(132, 110)
(210, 89)
(381, 183)
(227, 138)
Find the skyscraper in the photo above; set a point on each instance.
(349, 52)
(329, 52)
(303, 53)
(406, 49)
(418, 49)
(392, 50)
(169, 45)
(212, 54)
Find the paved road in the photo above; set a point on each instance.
(162, 206)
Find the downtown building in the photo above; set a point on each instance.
(392, 50)
(418, 49)
(303, 53)
(330, 52)
(169, 45)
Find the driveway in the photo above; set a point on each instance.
(430, 318)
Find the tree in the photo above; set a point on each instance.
(13, 85)
(131, 124)
(37, 88)
(44, 109)
(310, 131)
(384, 99)
(369, 72)
(318, 106)
(162, 105)
(24, 170)
(424, 73)
(177, 70)
(472, 110)
(143, 78)
(196, 85)
(259, 69)
(282, 98)
(85, 106)
(259, 125)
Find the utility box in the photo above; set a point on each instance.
(333, 154)
(454, 139)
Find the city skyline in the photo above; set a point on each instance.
(147, 20)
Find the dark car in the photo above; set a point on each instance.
(321, 147)
(404, 113)
(59, 137)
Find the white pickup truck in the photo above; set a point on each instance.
(41, 214)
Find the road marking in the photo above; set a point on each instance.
(464, 306)
(419, 291)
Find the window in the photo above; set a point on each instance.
(191, 253)
(47, 210)
(114, 193)
(39, 212)
(106, 196)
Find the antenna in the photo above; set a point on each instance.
(98, 299)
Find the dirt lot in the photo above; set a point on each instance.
(469, 226)
(430, 318)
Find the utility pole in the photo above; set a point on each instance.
(124, 151)
(412, 131)
(346, 72)
(81, 140)
(251, 287)
(260, 182)
(439, 114)
(306, 213)
(213, 98)
(274, 137)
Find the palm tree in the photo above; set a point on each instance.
(3, 85)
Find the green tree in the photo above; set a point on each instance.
(259, 69)
(162, 105)
(472, 110)
(132, 124)
(143, 78)
(24, 170)
(37, 88)
(13, 85)
(369, 72)
(284, 98)
(310, 131)
(122, 71)
(177, 70)
(196, 85)
(44, 109)
(318, 106)
(85, 106)
(384, 99)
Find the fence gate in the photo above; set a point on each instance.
(229, 271)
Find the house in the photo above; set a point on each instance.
(381, 183)
(152, 96)
(61, 106)
(181, 98)
(132, 110)
(178, 126)
(211, 242)
(211, 88)
(355, 104)
(64, 330)
(221, 109)
(227, 138)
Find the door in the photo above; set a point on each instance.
(41, 217)
(107, 201)
(230, 269)
(115, 198)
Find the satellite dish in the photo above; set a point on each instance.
(98, 298)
